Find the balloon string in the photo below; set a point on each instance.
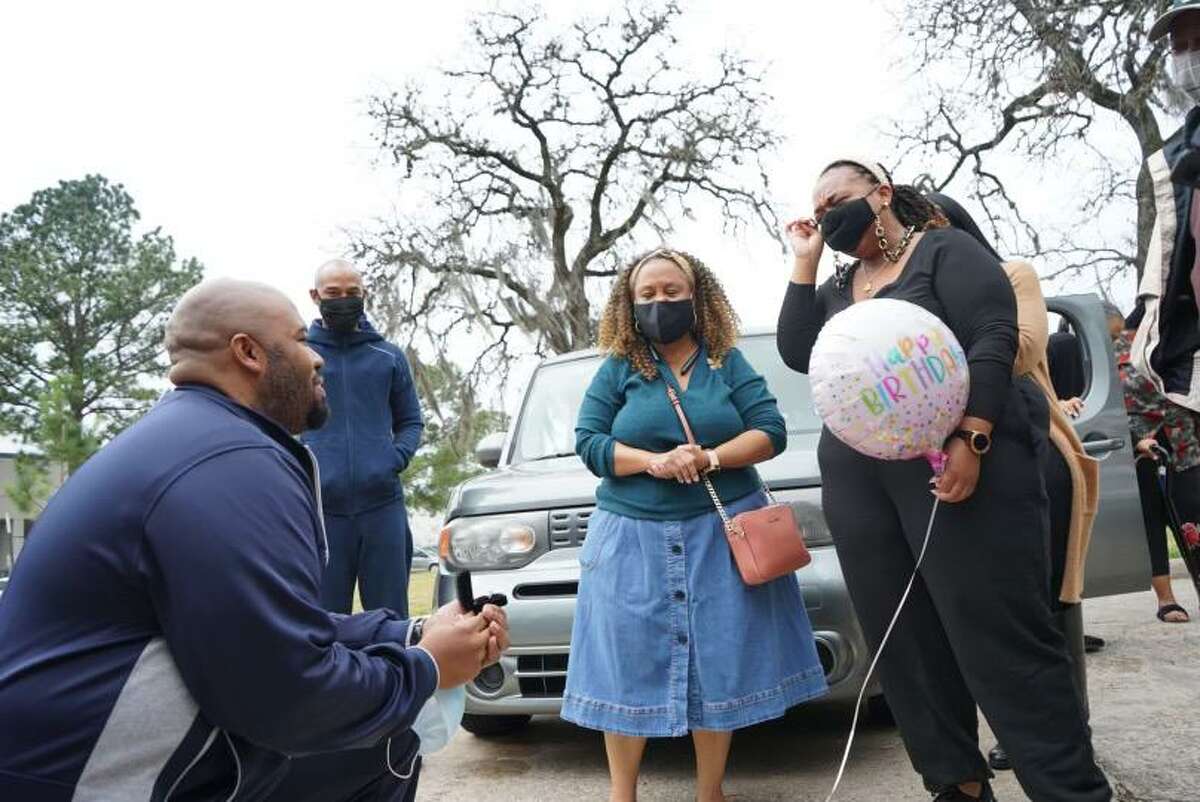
(879, 652)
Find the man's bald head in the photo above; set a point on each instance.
(339, 294)
(211, 314)
(248, 341)
(338, 278)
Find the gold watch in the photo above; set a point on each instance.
(980, 442)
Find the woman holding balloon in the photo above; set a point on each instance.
(976, 627)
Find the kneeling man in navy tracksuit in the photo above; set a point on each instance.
(162, 636)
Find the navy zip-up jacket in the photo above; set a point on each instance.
(375, 425)
(161, 637)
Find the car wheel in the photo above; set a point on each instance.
(491, 726)
(433, 568)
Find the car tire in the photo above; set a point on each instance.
(433, 569)
(493, 726)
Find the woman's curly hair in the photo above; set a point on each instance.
(717, 325)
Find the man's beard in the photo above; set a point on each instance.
(289, 397)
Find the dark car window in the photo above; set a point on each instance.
(547, 425)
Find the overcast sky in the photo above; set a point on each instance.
(240, 127)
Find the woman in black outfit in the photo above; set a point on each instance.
(977, 627)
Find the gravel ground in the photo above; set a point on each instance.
(1144, 687)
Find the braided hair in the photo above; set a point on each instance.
(717, 324)
(909, 204)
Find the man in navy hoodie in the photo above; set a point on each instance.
(161, 637)
(373, 431)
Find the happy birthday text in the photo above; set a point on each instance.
(910, 368)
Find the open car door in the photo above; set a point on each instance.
(1118, 558)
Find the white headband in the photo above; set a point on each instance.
(872, 167)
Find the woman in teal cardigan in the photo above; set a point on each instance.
(668, 638)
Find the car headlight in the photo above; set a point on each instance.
(493, 542)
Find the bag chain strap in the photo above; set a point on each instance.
(730, 526)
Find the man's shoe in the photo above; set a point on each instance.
(1092, 644)
(954, 794)
(998, 759)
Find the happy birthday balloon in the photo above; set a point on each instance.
(889, 379)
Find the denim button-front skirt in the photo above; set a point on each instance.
(668, 638)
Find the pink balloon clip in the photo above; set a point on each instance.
(938, 460)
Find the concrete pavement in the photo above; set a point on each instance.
(1144, 688)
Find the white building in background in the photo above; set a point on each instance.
(15, 525)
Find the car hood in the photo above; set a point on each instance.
(565, 482)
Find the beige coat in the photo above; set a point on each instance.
(1034, 325)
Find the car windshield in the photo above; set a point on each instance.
(547, 425)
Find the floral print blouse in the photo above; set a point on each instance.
(1152, 415)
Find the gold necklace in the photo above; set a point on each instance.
(869, 287)
(893, 254)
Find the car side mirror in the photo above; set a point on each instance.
(487, 452)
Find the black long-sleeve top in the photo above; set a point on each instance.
(952, 276)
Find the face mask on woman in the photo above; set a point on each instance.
(664, 322)
(843, 226)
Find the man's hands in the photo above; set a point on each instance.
(463, 645)
(1147, 448)
(684, 464)
(961, 476)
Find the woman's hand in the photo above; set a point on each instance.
(1147, 448)
(807, 245)
(682, 464)
(958, 483)
(1071, 407)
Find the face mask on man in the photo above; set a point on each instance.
(843, 226)
(1185, 73)
(342, 314)
(664, 322)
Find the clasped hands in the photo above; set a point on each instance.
(685, 464)
(463, 644)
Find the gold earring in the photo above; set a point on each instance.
(884, 245)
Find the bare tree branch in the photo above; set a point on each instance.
(1029, 79)
(539, 128)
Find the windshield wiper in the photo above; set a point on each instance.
(553, 456)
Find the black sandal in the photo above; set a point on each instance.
(1167, 609)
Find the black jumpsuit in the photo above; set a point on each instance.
(978, 626)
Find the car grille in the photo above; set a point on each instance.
(542, 676)
(568, 528)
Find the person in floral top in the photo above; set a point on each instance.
(1154, 422)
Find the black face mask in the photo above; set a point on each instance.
(843, 226)
(342, 314)
(664, 322)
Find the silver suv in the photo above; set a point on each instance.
(519, 528)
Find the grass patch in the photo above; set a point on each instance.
(420, 594)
